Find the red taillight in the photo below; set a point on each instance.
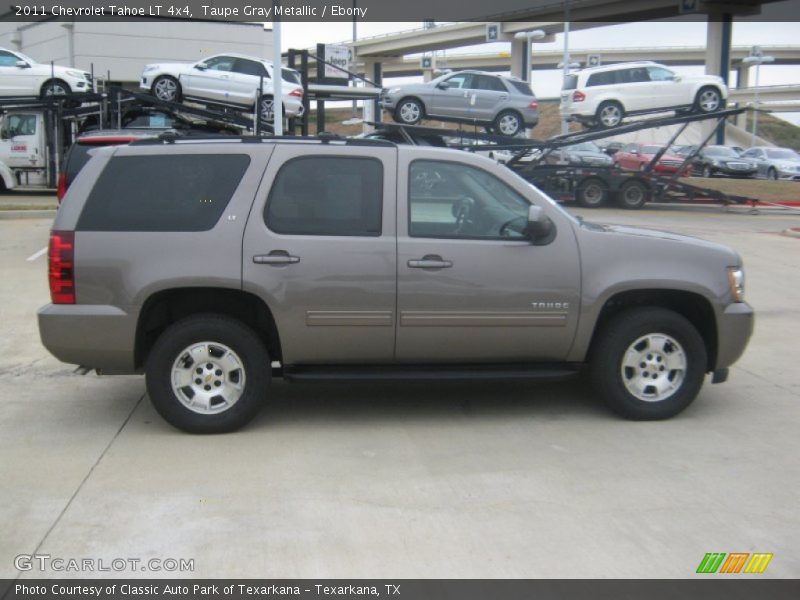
(533, 104)
(297, 93)
(61, 186)
(61, 267)
(578, 96)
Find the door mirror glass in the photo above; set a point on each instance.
(201, 66)
(443, 85)
(21, 64)
(540, 228)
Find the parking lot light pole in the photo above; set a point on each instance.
(757, 61)
(565, 61)
(530, 37)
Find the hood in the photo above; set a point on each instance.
(57, 69)
(624, 231)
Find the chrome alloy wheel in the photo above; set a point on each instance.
(709, 101)
(166, 89)
(55, 89)
(267, 109)
(508, 124)
(611, 115)
(208, 377)
(653, 367)
(410, 112)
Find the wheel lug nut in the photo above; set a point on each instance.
(199, 370)
(209, 366)
(218, 372)
(217, 383)
(198, 381)
(207, 387)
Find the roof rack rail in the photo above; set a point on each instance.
(170, 138)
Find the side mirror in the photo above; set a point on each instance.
(676, 78)
(540, 229)
(21, 64)
(443, 85)
(201, 66)
(4, 134)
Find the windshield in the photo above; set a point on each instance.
(25, 58)
(721, 151)
(782, 154)
(584, 147)
(651, 149)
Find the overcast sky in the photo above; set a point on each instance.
(548, 83)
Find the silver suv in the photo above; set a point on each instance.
(213, 265)
(503, 104)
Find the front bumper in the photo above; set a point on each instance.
(734, 328)
(96, 336)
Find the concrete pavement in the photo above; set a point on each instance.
(445, 480)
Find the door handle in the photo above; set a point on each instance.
(430, 261)
(276, 257)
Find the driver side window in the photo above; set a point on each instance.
(220, 63)
(453, 200)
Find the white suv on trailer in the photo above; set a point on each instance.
(603, 96)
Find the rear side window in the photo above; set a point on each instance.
(166, 192)
(602, 78)
(75, 160)
(570, 82)
(521, 87)
(487, 82)
(327, 195)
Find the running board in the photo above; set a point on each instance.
(350, 373)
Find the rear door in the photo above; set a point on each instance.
(490, 96)
(246, 76)
(471, 287)
(320, 249)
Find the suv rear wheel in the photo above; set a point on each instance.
(208, 374)
(609, 114)
(709, 99)
(508, 122)
(648, 363)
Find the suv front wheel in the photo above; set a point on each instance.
(208, 374)
(648, 363)
(409, 111)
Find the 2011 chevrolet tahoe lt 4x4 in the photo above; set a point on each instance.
(200, 263)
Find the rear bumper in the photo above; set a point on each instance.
(734, 328)
(95, 336)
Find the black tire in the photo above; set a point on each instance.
(772, 174)
(55, 87)
(609, 114)
(167, 88)
(708, 100)
(633, 194)
(508, 123)
(591, 193)
(409, 111)
(265, 112)
(618, 336)
(215, 329)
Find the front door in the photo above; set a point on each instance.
(471, 286)
(454, 100)
(21, 144)
(320, 250)
(209, 79)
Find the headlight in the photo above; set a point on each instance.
(736, 281)
(150, 68)
(395, 90)
(71, 73)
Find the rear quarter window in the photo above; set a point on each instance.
(521, 87)
(166, 192)
(570, 82)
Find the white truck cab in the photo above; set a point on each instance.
(23, 150)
